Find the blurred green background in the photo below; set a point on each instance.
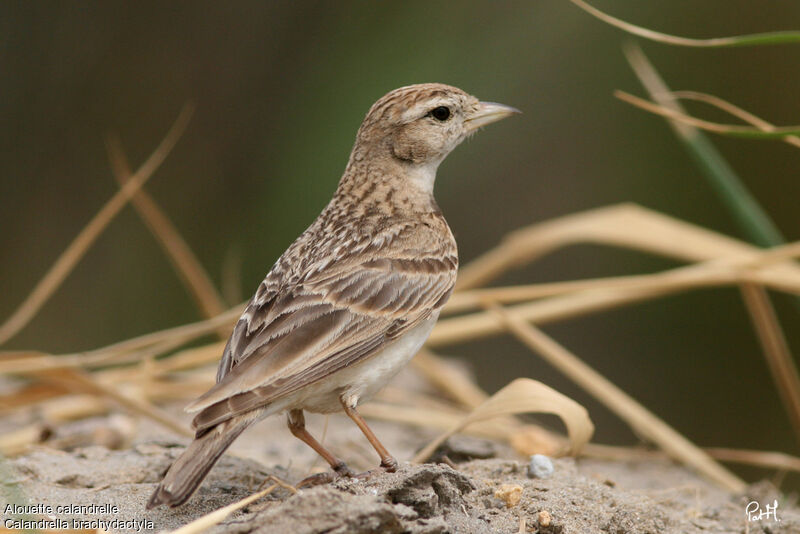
(281, 88)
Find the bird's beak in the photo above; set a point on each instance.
(489, 112)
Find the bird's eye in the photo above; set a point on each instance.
(442, 113)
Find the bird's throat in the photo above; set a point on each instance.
(392, 184)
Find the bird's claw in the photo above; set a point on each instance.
(389, 464)
(327, 477)
(342, 471)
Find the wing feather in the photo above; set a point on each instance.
(291, 337)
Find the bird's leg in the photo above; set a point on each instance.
(297, 426)
(388, 462)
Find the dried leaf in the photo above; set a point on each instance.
(524, 395)
(641, 420)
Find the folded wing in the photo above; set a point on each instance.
(339, 316)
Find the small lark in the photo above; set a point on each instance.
(353, 298)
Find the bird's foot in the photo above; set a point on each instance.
(388, 465)
(341, 470)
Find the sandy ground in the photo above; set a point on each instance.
(114, 461)
(479, 496)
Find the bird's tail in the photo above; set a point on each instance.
(188, 471)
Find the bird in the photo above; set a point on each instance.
(352, 299)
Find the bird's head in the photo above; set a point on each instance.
(419, 125)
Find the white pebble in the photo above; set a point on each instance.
(540, 466)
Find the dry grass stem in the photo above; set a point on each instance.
(734, 110)
(46, 362)
(232, 275)
(207, 521)
(188, 359)
(72, 408)
(731, 261)
(75, 251)
(526, 439)
(439, 419)
(761, 38)
(186, 265)
(129, 351)
(401, 396)
(784, 132)
(282, 483)
(82, 382)
(761, 228)
(750, 216)
(717, 271)
(776, 350)
(20, 440)
(720, 104)
(81, 406)
(621, 453)
(623, 225)
(524, 395)
(185, 333)
(28, 395)
(471, 299)
(641, 420)
(767, 459)
(672, 280)
(483, 324)
(448, 379)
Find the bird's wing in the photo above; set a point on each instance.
(339, 316)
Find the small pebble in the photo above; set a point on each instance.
(510, 494)
(493, 502)
(540, 466)
(544, 519)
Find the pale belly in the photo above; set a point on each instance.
(359, 382)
